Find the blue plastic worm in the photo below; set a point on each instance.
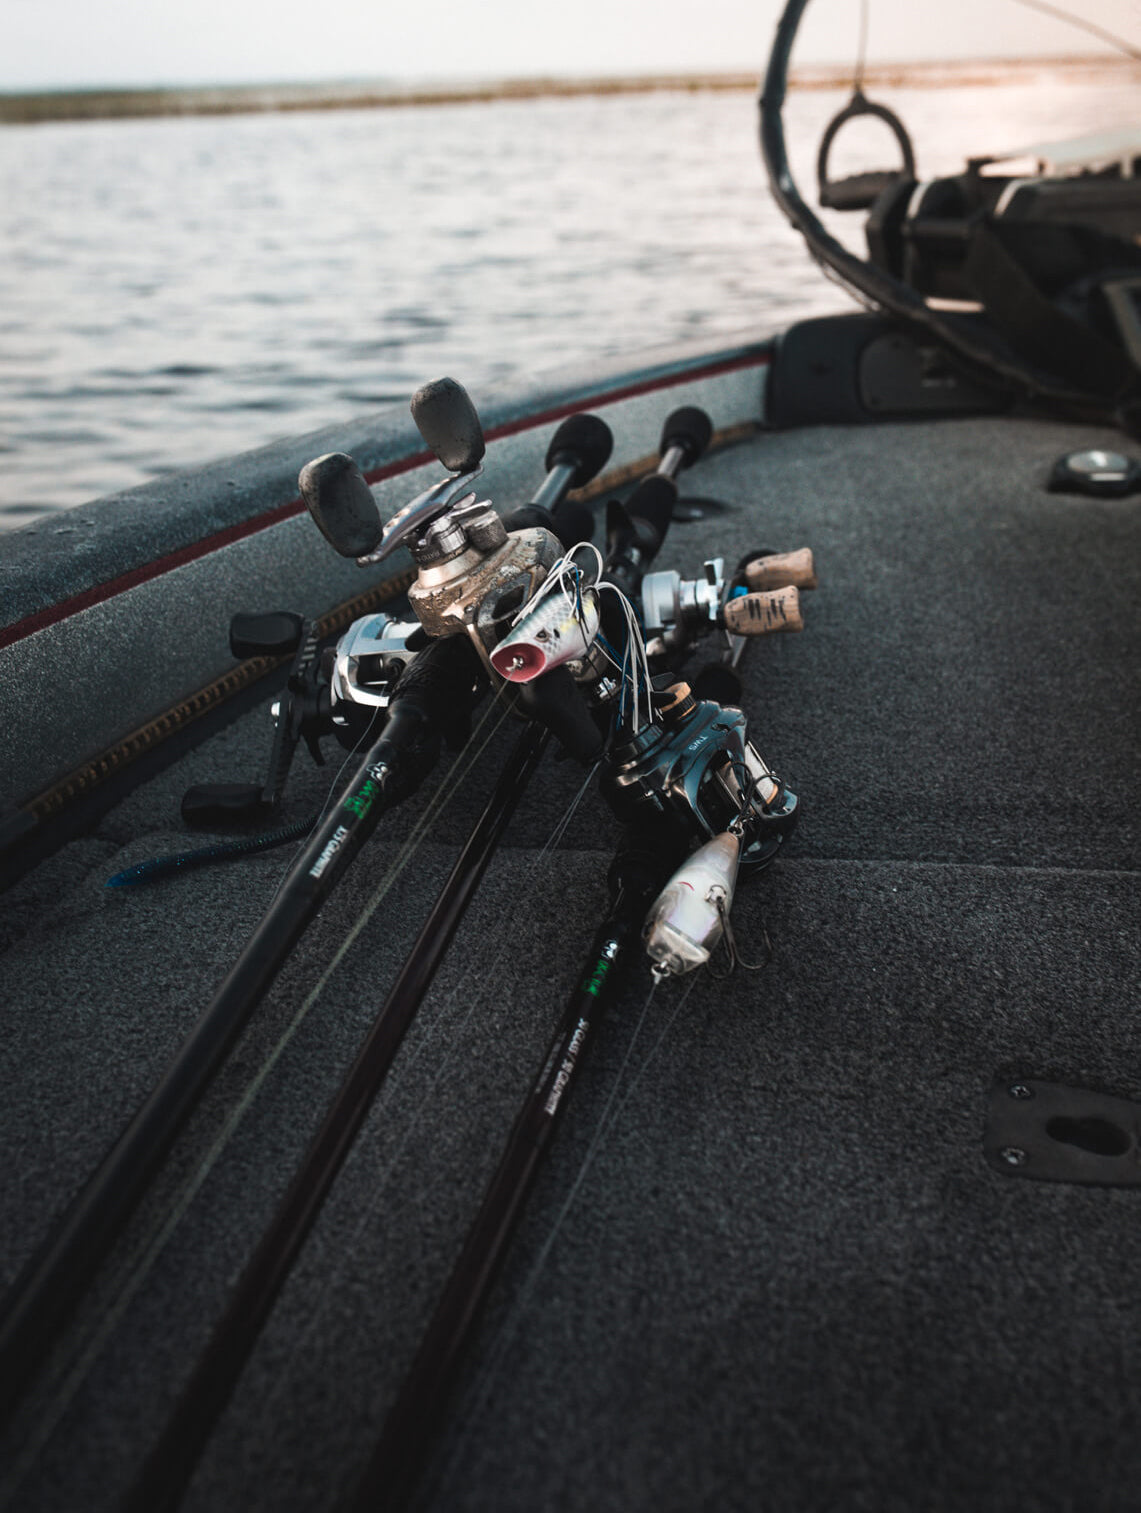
(179, 861)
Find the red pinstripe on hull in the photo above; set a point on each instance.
(101, 592)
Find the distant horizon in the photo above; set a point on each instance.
(385, 89)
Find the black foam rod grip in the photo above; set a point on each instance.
(341, 503)
(216, 806)
(275, 634)
(718, 681)
(570, 523)
(584, 442)
(641, 866)
(653, 501)
(432, 701)
(441, 680)
(556, 701)
(447, 420)
(689, 429)
(573, 522)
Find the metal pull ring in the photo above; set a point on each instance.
(859, 191)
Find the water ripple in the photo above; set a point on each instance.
(173, 289)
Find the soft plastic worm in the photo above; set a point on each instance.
(178, 861)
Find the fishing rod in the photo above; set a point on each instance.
(341, 508)
(430, 699)
(694, 774)
(172, 1459)
(442, 525)
(441, 683)
(690, 774)
(634, 878)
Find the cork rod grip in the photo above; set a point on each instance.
(782, 569)
(761, 614)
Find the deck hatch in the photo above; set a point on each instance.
(1054, 1133)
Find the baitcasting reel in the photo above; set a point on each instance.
(475, 569)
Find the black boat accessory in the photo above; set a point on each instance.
(859, 191)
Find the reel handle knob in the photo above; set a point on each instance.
(341, 504)
(782, 569)
(447, 420)
(761, 614)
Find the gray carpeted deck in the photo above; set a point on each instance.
(767, 1266)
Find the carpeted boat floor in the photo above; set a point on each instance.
(767, 1266)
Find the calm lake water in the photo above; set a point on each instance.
(181, 289)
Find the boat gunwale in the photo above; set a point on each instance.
(43, 583)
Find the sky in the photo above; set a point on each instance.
(80, 43)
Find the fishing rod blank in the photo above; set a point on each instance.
(636, 875)
(434, 688)
(171, 1462)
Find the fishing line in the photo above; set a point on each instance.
(506, 945)
(606, 1123)
(148, 1248)
(861, 55)
(567, 577)
(1088, 26)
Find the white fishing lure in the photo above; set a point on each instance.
(560, 628)
(689, 915)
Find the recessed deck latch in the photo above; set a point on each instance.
(1063, 1134)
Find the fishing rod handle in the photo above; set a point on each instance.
(763, 613)
(570, 523)
(582, 445)
(578, 452)
(407, 1435)
(685, 436)
(653, 501)
(782, 570)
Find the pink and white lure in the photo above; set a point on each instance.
(560, 628)
(689, 915)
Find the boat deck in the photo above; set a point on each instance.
(767, 1265)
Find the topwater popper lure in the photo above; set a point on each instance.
(558, 624)
(567, 624)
